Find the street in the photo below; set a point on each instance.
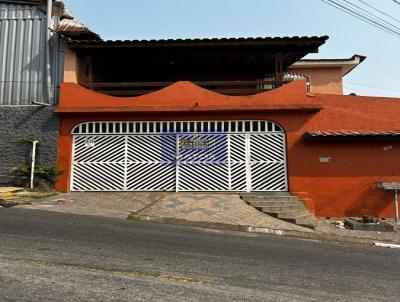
(49, 256)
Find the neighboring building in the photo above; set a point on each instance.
(326, 74)
(31, 70)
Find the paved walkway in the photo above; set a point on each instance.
(215, 208)
(108, 204)
(226, 209)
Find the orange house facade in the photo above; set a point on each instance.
(335, 148)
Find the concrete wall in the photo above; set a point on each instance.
(324, 79)
(21, 122)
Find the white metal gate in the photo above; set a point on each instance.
(179, 156)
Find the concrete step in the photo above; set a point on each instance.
(283, 208)
(290, 214)
(281, 205)
(308, 222)
(264, 194)
(295, 218)
(273, 203)
(294, 214)
(270, 198)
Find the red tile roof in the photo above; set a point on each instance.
(326, 134)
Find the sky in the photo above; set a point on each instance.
(378, 75)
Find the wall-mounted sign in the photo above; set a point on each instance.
(196, 142)
(324, 159)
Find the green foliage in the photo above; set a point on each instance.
(48, 170)
(133, 217)
(22, 170)
(45, 172)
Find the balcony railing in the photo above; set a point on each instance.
(223, 87)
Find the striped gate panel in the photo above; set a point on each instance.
(237, 162)
(203, 162)
(151, 163)
(268, 176)
(98, 177)
(151, 177)
(99, 163)
(203, 177)
(267, 147)
(151, 148)
(181, 156)
(99, 148)
(267, 162)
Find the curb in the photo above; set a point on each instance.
(260, 230)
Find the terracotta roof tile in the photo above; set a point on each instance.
(327, 134)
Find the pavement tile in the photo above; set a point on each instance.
(215, 208)
(108, 204)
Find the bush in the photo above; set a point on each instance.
(48, 174)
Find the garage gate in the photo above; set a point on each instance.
(179, 156)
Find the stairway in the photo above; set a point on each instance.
(281, 205)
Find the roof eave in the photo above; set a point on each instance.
(350, 135)
(346, 65)
(318, 41)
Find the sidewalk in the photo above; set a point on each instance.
(106, 204)
(208, 210)
(327, 228)
(226, 211)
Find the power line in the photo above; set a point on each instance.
(378, 10)
(341, 6)
(345, 82)
(375, 87)
(374, 16)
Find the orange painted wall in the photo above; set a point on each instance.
(70, 66)
(344, 187)
(323, 79)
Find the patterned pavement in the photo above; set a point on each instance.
(215, 208)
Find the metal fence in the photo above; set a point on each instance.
(179, 156)
(24, 59)
(27, 93)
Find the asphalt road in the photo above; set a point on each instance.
(48, 256)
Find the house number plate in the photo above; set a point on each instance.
(89, 142)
